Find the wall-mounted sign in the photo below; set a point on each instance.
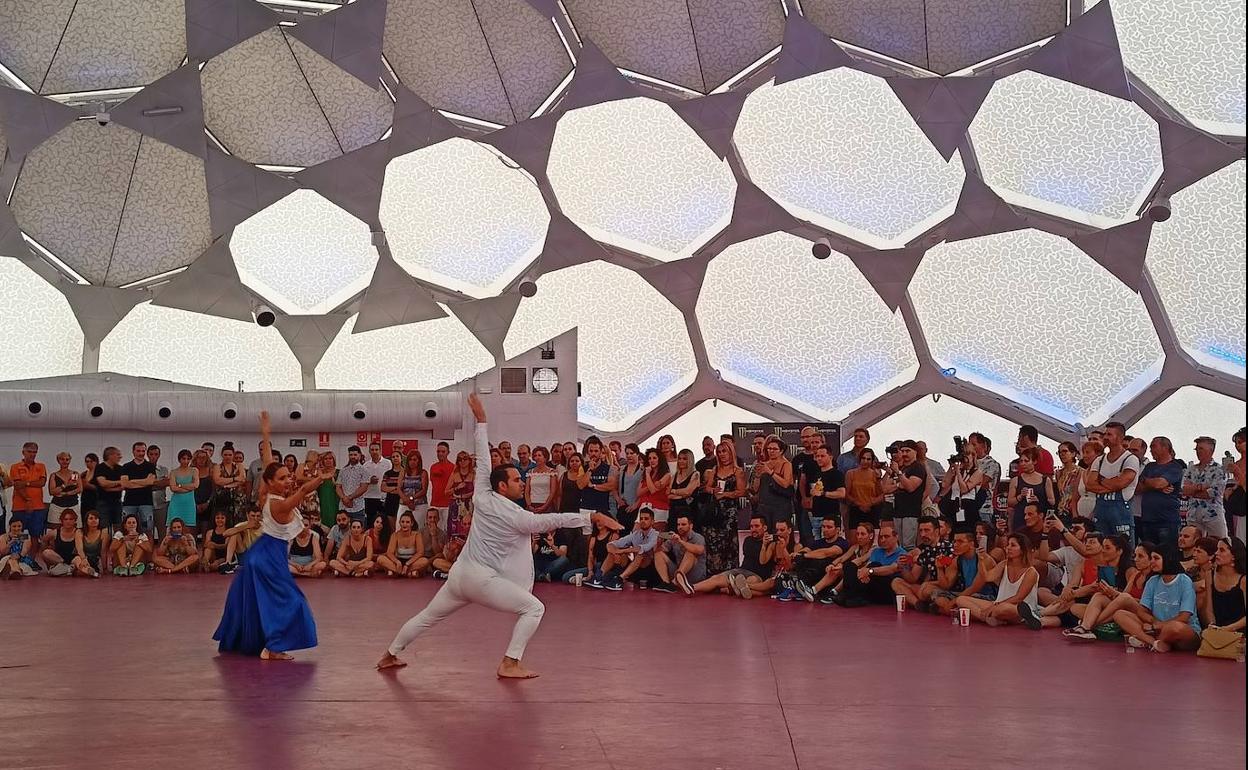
(298, 442)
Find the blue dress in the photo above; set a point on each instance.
(264, 608)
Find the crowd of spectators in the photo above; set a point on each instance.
(1102, 541)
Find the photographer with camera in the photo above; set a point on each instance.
(962, 491)
(991, 470)
(909, 482)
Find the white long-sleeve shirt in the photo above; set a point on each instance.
(501, 536)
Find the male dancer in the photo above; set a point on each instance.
(495, 568)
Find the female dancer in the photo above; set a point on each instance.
(265, 612)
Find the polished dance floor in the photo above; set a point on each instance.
(122, 673)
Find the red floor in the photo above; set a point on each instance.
(122, 673)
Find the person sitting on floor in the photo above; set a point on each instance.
(1188, 535)
(812, 565)
(1108, 600)
(239, 538)
(131, 548)
(177, 551)
(639, 544)
(1166, 617)
(917, 581)
(432, 538)
(870, 581)
(305, 557)
(338, 533)
(61, 545)
(1226, 599)
(404, 556)
(550, 560)
(92, 557)
(681, 559)
(355, 555)
(450, 552)
(215, 542)
(757, 553)
(1202, 566)
(1017, 589)
(964, 575)
(785, 545)
(15, 559)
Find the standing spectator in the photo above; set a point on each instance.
(327, 492)
(255, 472)
(1112, 478)
(375, 467)
(556, 458)
(775, 483)
(90, 492)
(1137, 447)
(29, 477)
(1161, 484)
(1203, 484)
(667, 450)
(962, 491)
(600, 480)
(804, 471)
(229, 483)
(570, 484)
(935, 473)
(1028, 437)
(1066, 478)
(439, 475)
(391, 487)
(656, 483)
(708, 456)
(1085, 503)
(459, 486)
(1235, 491)
(524, 461)
(504, 451)
(825, 487)
(353, 481)
(414, 486)
(202, 462)
(1029, 487)
(911, 491)
(183, 481)
(991, 470)
(65, 487)
(686, 481)
(5, 483)
(628, 492)
(848, 461)
(138, 478)
(725, 483)
(310, 469)
(160, 489)
(864, 492)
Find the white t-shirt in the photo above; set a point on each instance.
(1112, 469)
(1070, 562)
(379, 470)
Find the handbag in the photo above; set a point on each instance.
(1221, 643)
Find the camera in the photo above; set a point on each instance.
(959, 448)
(893, 448)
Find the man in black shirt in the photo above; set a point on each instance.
(757, 554)
(107, 479)
(825, 486)
(708, 456)
(804, 471)
(137, 478)
(811, 566)
(908, 497)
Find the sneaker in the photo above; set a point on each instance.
(613, 584)
(60, 570)
(227, 569)
(1029, 616)
(740, 586)
(595, 583)
(1136, 643)
(140, 568)
(121, 571)
(664, 588)
(440, 575)
(785, 595)
(828, 597)
(683, 583)
(1079, 634)
(803, 590)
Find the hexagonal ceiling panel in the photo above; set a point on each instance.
(823, 357)
(61, 46)
(1066, 150)
(1196, 260)
(1047, 327)
(304, 254)
(623, 375)
(257, 357)
(43, 339)
(422, 356)
(937, 422)
(1191, 52)
(273, 100)
(1190, 412)
(114, 205)
(633, 174)
(456, 214)
(839, 150)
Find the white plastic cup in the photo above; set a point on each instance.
(901, 603)
(577, 580)
(964, 617)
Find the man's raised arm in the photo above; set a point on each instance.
(481, 444)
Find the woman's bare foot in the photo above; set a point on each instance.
(510, 668)
(266, 654)
(389, 661)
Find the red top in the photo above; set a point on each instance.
(439, 474)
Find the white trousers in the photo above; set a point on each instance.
(473, 584)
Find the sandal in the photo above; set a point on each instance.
(138, 569)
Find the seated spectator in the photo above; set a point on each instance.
(1108, 600)
(450, 552)
(239, 538)
(917, 580)
(1166, 617)
(404, 556)
(639, 544)
(1074, 560)
(779, 584)
(177, 551)
(596, 554)
(550, 560)
(306, 558)
(92, 557)
(432, 539)
(1201, 570)
(379, 534)
(61, 545)
(854, 556)
(355, 555)
(215, 543)
(15, 559)
(681, 558)
(871, 581)
(757, 553)
(1188, 535)
(337, 533)
(811, 565)
(965, 575)
(131, 548)
(1017, 586)
(1225, 600)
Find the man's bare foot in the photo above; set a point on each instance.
(510, 668)
(389, 661)
(266, 654)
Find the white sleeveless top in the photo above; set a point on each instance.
(1008, 590)
(270, 526)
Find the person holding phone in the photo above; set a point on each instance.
(1017, 589)
(177, 552)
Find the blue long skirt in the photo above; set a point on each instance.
(264, 607)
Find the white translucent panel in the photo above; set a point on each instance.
(839, 150)
(42, 337)
(1191, 52)
(304, 254)
(1027, 315)
(633, 174)
(708, 418)
(1197, 263)
(1190, 412)
(810, 333)
(420, 356)
(633, 350)
(456, 214)
(937, 422)
(1066, 150)
(196, 349)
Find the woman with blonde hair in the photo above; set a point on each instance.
(725, 482)
(460, 485)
